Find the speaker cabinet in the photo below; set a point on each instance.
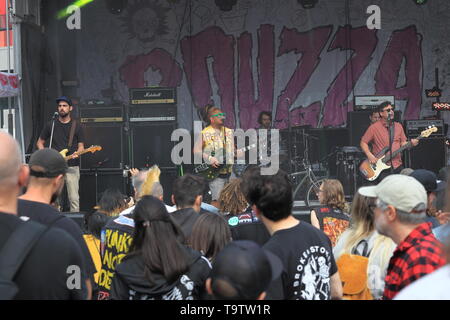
(92, 184)
(109, 137)
(359, 121)
(151, 144)
(430, 154)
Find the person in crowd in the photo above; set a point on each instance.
(406, 171)
(429, 181)
(309, 268)
(243, 222)
(432, 286)
(153, 187)
(400, 214)
(122, 227)
(47, 170)
(94, 222)
(48, 250)
(187, 196)
(209, 235)
(68, 133)
(112, 203)
(362, 239)
(243, 271)
(332, 217)
(159, 266)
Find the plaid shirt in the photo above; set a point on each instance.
(416, 256)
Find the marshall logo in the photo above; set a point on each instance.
(152, 96)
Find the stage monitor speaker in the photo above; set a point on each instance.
(105, 180)
(151, 144)
(430, 154)
(109, 137)
(359, 121)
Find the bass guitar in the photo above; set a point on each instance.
(209, 172)
(372, 171)
(91, 149)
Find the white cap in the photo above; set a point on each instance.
(403, 192)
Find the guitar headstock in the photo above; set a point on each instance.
(426, 133)
(94, 148)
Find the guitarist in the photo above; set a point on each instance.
(378, 136)
(213, 138)
(67, 134)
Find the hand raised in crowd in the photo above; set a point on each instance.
(134, 171)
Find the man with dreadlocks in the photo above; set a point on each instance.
(241, 219)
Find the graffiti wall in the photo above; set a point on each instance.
(267, 55)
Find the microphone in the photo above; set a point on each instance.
(55, 115)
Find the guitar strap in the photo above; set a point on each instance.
(392, 128)
(72, 133)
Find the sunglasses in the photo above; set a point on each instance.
(222, 114)
(389, 110)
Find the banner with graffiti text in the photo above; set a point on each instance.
(267, 55)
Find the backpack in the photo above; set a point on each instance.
(14, 252)
(353, 273)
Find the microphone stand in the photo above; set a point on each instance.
(53, 128)
(98, 165)
(289, 137)
(390, 140)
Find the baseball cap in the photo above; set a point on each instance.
(403, 192)
(47, 163)
(428, 179)
(64, 98)
(243, 270)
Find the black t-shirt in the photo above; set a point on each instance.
(44, 273)
(61, 134)
(46, 214)
(308, 263)
(246, 226)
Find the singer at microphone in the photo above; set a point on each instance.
(63, 132)
(383, 134)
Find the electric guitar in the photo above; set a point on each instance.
(372, 171)
(91, 149)
(209, 172)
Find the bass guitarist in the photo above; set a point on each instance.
(378, 136)
(216, 145)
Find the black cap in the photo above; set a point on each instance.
(47, 163)
(64, 98)
(243, 270)
(428, 179)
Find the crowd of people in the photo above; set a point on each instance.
(382, 245)
(391, 241)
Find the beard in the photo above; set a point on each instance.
(63, 114)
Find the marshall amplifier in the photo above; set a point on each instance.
(110, 113)
(415, 127)
(158, 95)
(153, 105)
(363, 103)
